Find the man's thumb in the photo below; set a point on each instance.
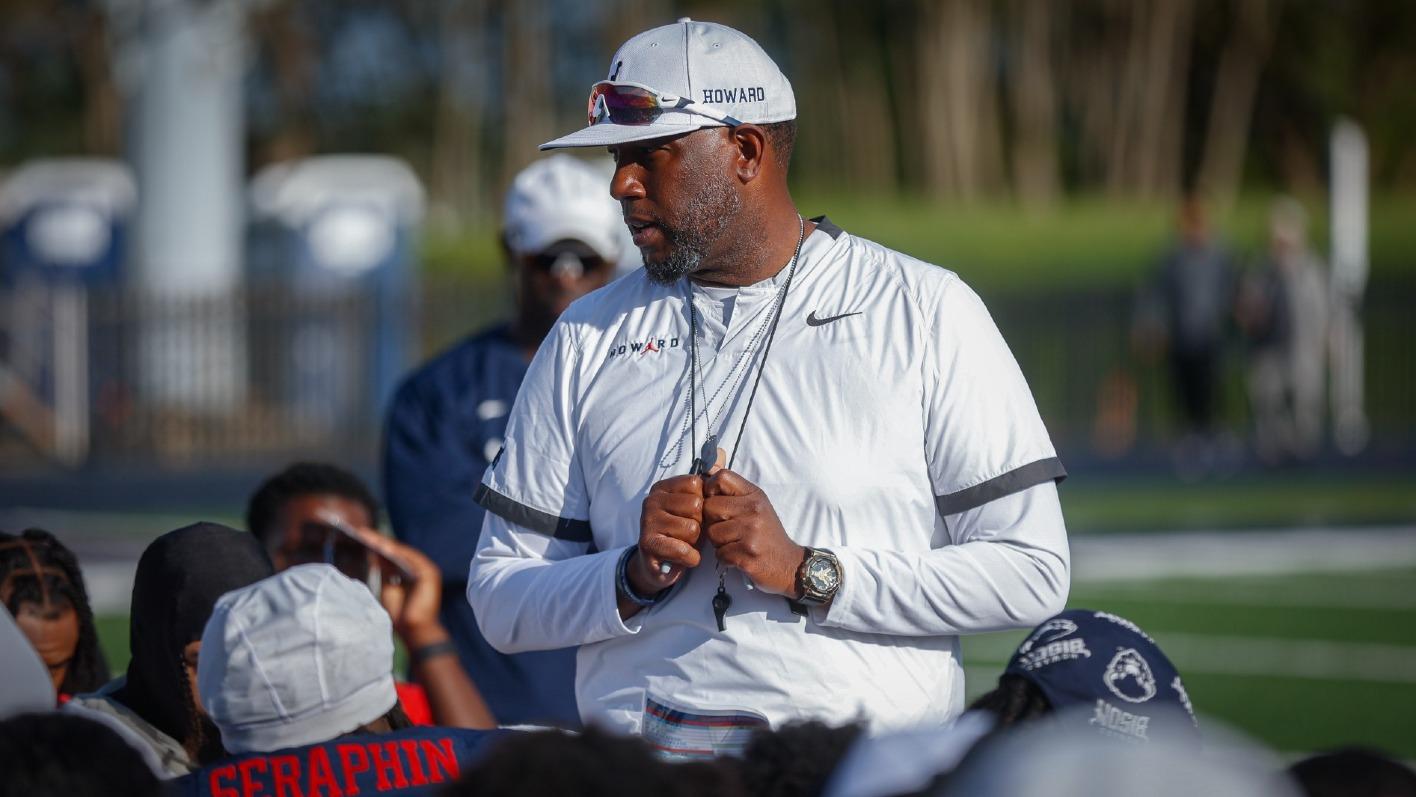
(725, 482)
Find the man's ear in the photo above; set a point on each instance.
(751, 144)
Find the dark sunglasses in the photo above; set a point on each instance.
(558, 261)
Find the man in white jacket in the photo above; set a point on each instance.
(775, 473)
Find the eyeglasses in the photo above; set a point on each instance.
(636, 104)
(561, 262)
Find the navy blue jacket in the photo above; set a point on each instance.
(444, 427)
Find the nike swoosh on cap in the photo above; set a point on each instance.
(813, 321)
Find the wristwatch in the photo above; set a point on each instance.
(818, 577)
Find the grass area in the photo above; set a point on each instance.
(1209, 626)
(1099, 504)
(113, 636)
(1083, 242)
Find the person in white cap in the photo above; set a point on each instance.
(562, 236)
(301, 664)
(297, 658)
(779, 471)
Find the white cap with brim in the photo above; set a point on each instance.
(703, 62)
(560, 198)
(299, 658)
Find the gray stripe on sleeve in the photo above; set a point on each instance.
(533, 519)
(1013, 481)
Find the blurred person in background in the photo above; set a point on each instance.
(796, 760)
(297, 673)
(1058, 758)
(298, 513)
(1283, 311)
(595, 763)
(1185, 313)
(179, 578)
(1353, 772)
(561, 237)
(64, 755)
(42, 586)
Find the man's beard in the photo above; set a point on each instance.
(712, 209)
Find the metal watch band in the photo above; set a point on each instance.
(811, 597)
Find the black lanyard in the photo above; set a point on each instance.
(709, 454)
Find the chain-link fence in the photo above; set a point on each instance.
(107, 377)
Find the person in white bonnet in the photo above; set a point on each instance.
(296, 659)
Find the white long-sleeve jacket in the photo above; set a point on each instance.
(891, 426)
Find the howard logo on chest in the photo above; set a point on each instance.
(643, 347)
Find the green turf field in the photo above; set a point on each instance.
(1273, 500)
(1082, 242)
(1301, 662)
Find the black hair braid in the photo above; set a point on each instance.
(88, 669)
(1015, 700)
(202, 740)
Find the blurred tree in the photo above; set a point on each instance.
(528, 111)
(975, 100)
(1033, 91)
(1232, 106)
(959, 99)
(457, 179)
(288, 49)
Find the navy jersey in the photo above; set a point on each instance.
(444, 427)
(408, 762)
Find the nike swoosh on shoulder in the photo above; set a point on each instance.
(813, 321)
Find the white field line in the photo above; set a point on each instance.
(1206, 554)
(1219, 593)
(1270, 657)
(110, 585)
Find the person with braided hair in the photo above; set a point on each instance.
(179, 578)
(42, 587)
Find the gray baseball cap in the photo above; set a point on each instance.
(295, 659)
(679, 78)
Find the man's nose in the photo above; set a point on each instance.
(626, 183)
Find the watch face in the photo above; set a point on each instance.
(822, 574)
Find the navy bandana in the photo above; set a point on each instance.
(1083, 657)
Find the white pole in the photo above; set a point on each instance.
(71, 368)
(181, 62)
(1348, 147)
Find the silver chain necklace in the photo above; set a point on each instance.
(709, 453)
(735, 378)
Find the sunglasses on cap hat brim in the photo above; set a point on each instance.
(635, 104)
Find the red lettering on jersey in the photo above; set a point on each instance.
(285, 776)
(347, 753)
(215, 783)
(386, 760)
(415, 764)
(440, 757)
(322, 775)
(249, 786)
